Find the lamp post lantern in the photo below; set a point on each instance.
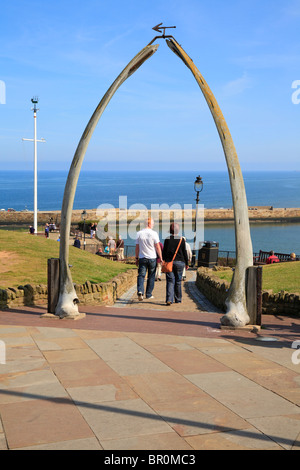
(84, 217)
(198, 186)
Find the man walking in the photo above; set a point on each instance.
(146, 250)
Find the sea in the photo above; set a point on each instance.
(277, 189)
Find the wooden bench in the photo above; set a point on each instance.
(264, 255)
(108, 256)
(53, 228)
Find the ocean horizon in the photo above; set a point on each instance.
(277, 189)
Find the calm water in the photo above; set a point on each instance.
(95, 188)
(282, 238)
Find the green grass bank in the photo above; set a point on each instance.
(278, 277)
(23, 260)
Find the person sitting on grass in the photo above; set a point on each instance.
(77, 242)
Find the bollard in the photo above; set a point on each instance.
(254, 294)
(53, 284)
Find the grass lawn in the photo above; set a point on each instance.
(23, 260)
(278, 277)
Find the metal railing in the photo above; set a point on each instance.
(225, 257)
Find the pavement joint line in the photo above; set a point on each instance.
(281, 426)
(279, 441)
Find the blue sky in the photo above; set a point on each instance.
(69, 52)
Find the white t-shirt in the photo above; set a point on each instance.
(146, 239)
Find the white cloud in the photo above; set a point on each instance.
(238, 86)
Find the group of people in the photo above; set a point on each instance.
(272, 258)
(114, 247)
(48, 228)
(149, 255)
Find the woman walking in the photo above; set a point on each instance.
(174, 279)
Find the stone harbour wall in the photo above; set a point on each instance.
(104, 293)
(216, 290)
(256, 214)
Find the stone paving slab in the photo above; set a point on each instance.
(241, 395)
(142, 376)
(193, 392)
(42, 421)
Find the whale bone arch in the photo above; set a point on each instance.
(236, 314)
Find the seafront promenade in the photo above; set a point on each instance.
(143, 376)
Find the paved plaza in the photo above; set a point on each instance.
(141, 375)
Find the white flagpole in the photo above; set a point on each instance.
(35, 140)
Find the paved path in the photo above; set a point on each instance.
(140, 375)
(192, 299)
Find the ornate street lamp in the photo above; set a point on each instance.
(198, 186)
(84, 217)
